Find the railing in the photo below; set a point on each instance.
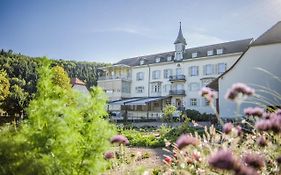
(115, 77)
(177, 78)
(134, 115)
(177, 92)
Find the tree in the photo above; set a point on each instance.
(60, 77)
(4, 85)
(65, 133)
(169, 111)
(17, 99)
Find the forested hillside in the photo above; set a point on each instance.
(22, 76)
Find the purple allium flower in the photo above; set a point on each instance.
(185, 140)
(256, 111)
(120, 139)
(254, 160)
(267, 115)
(278, 160)
(244, 170)
(263, 125)
(227, 128)
(275, 123)
(239, 130)
(278, 112)
(261, 141)
(238, 91)
(223, 159)
(109, 155)
(208, 93)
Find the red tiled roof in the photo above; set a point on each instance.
(77, 81)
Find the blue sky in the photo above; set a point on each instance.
(110, 30)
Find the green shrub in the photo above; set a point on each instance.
(197, 116)
(64, 133)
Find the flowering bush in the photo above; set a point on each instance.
(231, 151)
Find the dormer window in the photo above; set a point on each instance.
(157, 60)
(210, 52)
(141, 62)
(219, 51)
(194, 54)
(169, 58)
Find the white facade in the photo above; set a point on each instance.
(192, 84)
(267, 57)
(175, 76)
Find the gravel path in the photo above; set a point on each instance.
(137, 167)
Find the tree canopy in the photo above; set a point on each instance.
(4, 85)
(22, 75)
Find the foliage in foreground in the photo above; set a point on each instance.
(230, 151)
(64, 133)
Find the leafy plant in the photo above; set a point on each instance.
(230, 151)
(64, 133)
(169, 111)
(4, 85)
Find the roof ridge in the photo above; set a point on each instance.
(221, 43)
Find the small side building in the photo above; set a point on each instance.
(79, 86)
(260, 68)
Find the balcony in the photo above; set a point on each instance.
(177, 92)
(177, 78)
(115, 77)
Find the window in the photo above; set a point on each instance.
(167, 73)
(193, 71)
(140, 76)
(208, 69)
(221, 68)
(139, 89)
(205, 102)
(206, 81)
(178, 56)
(141, 62)
(169, 58)
(157, 60)
(109, 91)
(219, 51)
(194, 86)
(167, 87)
(156, 88)
(179, 71)
(126, 87)
(156, 74)
(194, 55)
(193, 102)
(210, 52)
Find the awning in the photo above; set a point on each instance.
(145, 101)
(122, 102)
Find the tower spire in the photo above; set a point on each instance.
(180, 38)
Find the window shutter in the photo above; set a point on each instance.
(197, 69)
(198, 102)
(213, 68)
(189, 71)
(217, 68)
(204, 69)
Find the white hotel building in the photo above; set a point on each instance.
(140, 87)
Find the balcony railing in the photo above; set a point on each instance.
(177, 78)
(177, 92)
(115, 77)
